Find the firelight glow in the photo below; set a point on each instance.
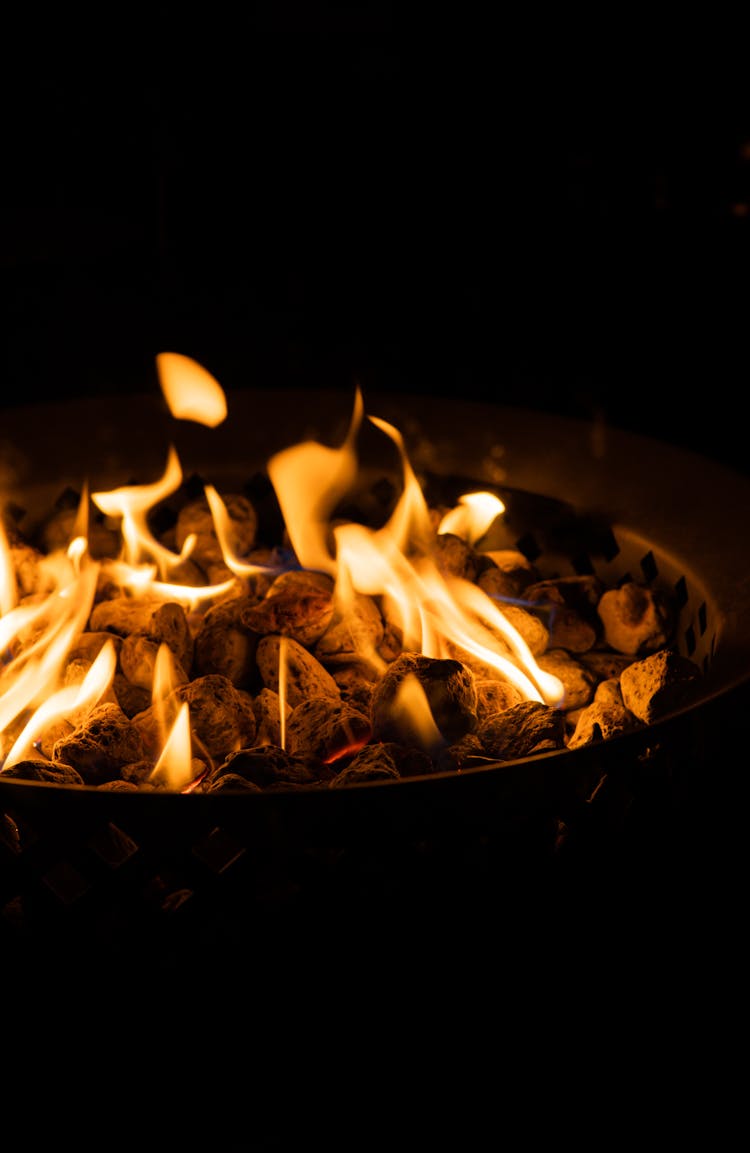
(393, 563)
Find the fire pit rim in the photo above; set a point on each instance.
(587, 463)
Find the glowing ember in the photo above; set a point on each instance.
(165, 663)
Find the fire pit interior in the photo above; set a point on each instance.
(388, 791)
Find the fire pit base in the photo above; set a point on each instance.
(612, 829)
(639, 849)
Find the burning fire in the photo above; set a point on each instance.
(45, 694)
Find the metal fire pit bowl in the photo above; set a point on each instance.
(579, 498)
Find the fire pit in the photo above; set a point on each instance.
(580, 500)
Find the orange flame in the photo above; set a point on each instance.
(71, 702)
(472, 516)
(43, 633)
(310, 479)
(191, 392)
(174, 765)
(411, 711)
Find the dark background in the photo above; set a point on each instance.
(440, 203)
(554, 216)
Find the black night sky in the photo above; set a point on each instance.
(313, 194)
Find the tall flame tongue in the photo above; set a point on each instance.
(69, 703)
(438, 616)
(39, 635)
(310, 479)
